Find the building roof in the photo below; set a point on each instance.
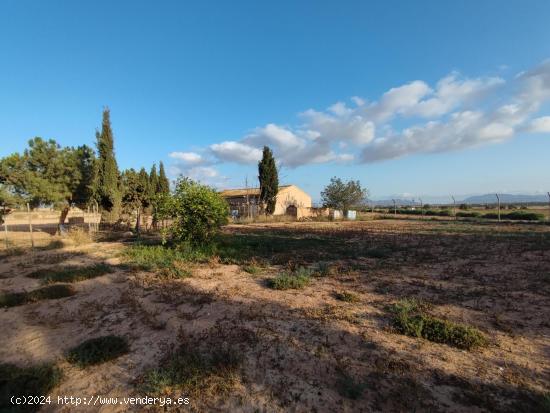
(229, 193)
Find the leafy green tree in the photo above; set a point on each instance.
(198, 212)
(269, 180)
(343, 195)
(47, 174)
(135, 193)
(164, 183)
(107, 185)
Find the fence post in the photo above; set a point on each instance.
(498, 200)
(30, 225)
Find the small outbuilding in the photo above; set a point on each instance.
(291, 201)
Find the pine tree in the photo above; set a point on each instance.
(107, 191)
(269, 181)
(164, 184)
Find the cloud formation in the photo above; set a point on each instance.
(456, 113)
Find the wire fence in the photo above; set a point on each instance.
(22, 229)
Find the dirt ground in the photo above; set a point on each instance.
(305, 350)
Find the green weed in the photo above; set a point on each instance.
(71, 274)
(291, 280)
(411, 319)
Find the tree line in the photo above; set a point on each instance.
(46, 174)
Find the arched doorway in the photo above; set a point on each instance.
(291, 210)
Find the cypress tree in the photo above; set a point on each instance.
(164, 184)
(269, 180)
(107, 191)
(153, 181)
(144, 188)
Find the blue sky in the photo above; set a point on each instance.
(421, 98)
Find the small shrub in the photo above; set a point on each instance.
(411, 319)
(291, 280)
(198, 212)
(50, 292)
(98, 350)
(71, 274)
(347, 296)
(23, 381)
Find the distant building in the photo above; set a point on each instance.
(291, 200)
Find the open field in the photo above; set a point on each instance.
(383, 315)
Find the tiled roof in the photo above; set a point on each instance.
(228, 193)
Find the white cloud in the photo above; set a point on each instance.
(274, 136)
(231, 151)
(189, 158)
(346, 127)
(539, 125)
(456, 113)
(202, 172)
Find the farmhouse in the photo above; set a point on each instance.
(291, 200)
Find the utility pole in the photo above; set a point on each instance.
(498, 201)
(421, 206)
(394, 208)
(548, 193)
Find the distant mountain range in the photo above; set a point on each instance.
(474, 199)
(505, 198)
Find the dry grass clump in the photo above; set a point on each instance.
(79, 236)
(347, 296)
